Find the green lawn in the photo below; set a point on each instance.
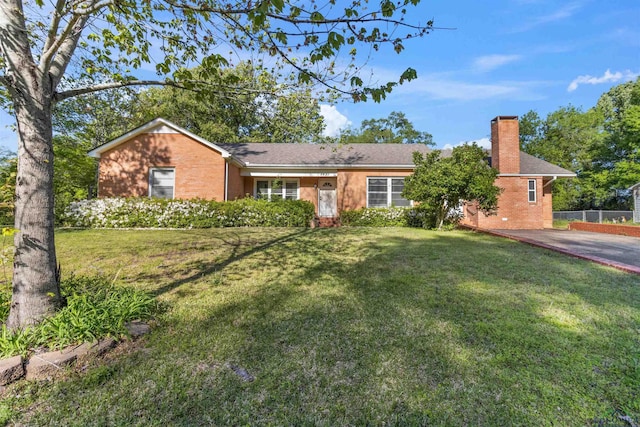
(351, 327)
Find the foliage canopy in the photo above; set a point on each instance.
(442, 183)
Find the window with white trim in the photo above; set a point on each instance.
(162, 183)
(277, 189)
(532, 190)
(383, 192)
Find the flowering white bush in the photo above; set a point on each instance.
(158, 213)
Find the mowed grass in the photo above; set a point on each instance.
(352, 327)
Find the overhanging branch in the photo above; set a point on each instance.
(61, 96)
(199, 86)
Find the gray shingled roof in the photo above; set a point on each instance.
(257, 154)
(530, 165)
(325, 155)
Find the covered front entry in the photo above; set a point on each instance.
(327, 198)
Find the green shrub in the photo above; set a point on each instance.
(95, 309)
(196, 213)
(417, 216)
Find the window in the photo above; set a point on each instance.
(385, 192)
(532, 190)
(162, 183)
(277, 189)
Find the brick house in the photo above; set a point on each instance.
(160, 159)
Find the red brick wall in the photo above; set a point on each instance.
(514, 209)
(623, 230)
(199, 170)
(505, 144)
(236, 186)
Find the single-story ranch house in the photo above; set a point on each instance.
(160, 159)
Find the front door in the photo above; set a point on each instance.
(327, 200)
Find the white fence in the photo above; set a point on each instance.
(595, 216)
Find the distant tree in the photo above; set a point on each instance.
(395, 129)
(8, 171)
(262, 113)
(531, 130)
(98, 117)
(619, 155)
(74, 173)
(441, 183)
(601, 145)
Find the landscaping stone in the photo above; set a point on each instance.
(11, 370)
(137, 328)
(95, 349)
(44, 365)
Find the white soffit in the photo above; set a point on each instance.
(289, 173)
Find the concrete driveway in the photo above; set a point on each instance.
(609, 249)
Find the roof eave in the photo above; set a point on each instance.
(326, 166)
(544, 175)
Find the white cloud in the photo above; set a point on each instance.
(482, 142)
(440, 88)
(491, 62)
(563, 13)
(607, 77)
(333, 119)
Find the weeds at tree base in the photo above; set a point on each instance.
(96, 308)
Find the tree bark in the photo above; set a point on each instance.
(36, 292)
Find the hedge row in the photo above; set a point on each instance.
(162, 213)
(416, 216)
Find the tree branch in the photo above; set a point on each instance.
(65, 52)
(61, 96)
(55, 24)
(226, 90)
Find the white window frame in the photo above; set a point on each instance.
(270, 181)
(389, 189)
(173, 183)
(532, 191)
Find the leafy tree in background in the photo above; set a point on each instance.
(618, 157)
(567, 137)
(55, 51)
(602, 145)
(95, 118)
(441, 183)
(8, 171)
(255, 116)
(395, 129)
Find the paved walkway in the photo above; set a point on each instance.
(622, 252)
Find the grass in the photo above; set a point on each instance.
(352, 327)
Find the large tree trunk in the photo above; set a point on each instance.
(36, 292)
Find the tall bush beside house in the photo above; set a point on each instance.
(195, 213)
(441, 183)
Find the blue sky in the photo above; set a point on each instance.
(503, 57)
(506, 58)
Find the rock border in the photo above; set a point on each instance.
(42, 366)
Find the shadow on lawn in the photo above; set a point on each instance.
(411, 329)
(412, 333)
(236, 254)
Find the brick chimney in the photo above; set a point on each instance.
(505, 144)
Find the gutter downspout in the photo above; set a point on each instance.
(549, 182)
(226, 180)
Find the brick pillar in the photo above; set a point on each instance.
(505, 144)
